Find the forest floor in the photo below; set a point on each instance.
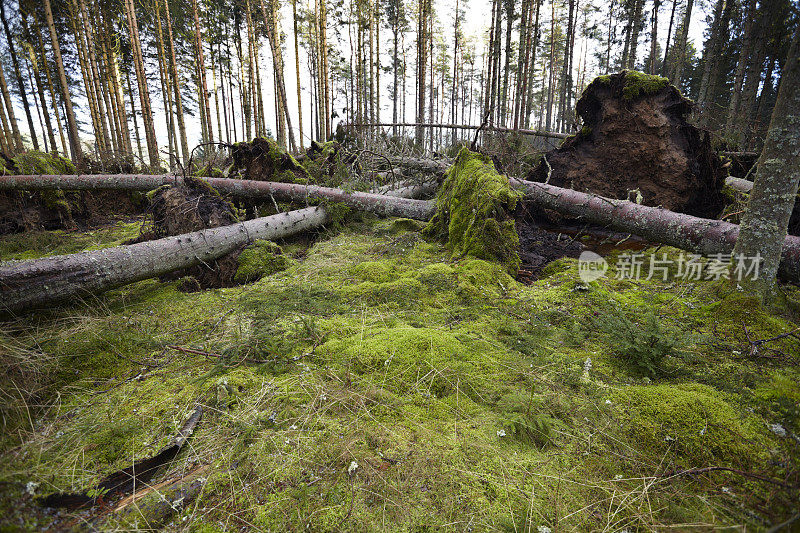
(378, 383)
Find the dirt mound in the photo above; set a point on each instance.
(192, 206)
(637, 143)
(264, 160)
(53, 209)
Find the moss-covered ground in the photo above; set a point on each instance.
(378, 383)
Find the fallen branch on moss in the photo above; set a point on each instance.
(34, 283)
(38, 282)
(124, 481)
(751, 475)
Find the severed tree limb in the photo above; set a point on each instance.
(739, 184)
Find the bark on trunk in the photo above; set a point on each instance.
(772, 199)
(251, 189)
(17, 73)
(141, 78)
(30, 284)
(72, 126)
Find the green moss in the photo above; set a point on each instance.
(640, 84)
(461, 394)
(324, 164)
(376, 271)
(262, 258)
(400, 225)
(586, 131)
(56, 200)
(636, 84)
(781, 395)
(393, 356)
(697, 422)
(474, 207)
(35, 244)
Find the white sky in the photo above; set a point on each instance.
(475, 24)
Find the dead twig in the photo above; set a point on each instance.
(706, 469)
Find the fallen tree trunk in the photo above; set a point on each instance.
(34, 283)
(739, 184)
(380, 204)
(421, 164)
(28, 284)
(499, 129)
(699, 235)
(37, 282)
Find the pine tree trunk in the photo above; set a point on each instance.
(18, 74)
(17, 137)
(453, 92)
(654, 36)
(72, 125)
(201, 75)
(713, 61)
(748, 106)
(166, 98)
(51, 90)
(551, 69)
(86, 75)
(273, 34)
(297, 72)
(566, 77)
(635, 28)
(522, 61)
(507, 65)
(764, 223)
(176, 86)
(676, 75)
(422, 62)
(395, 66)
(325, 73)
(37, 75)
(144, 96)
(741, 65)
(91, 57)
(133, 117)
(7, 144)
(669, 37)
(532, 71)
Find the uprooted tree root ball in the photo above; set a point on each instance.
(264, 160)
(636, 143)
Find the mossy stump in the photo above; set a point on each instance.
(474, 212)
